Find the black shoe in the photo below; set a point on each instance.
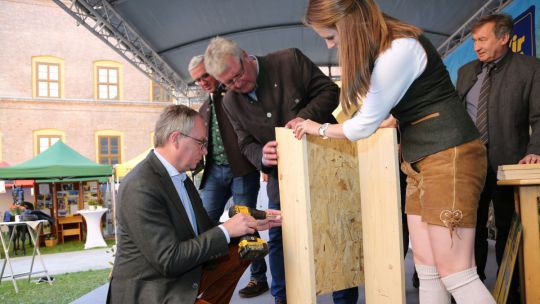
(253, 289)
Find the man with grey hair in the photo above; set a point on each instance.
(227, 173)
(276, 90)
(168, 249)
(501, 91)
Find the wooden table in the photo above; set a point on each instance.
(34, 227)
(527, 200)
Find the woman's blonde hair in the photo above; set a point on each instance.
(364, 33)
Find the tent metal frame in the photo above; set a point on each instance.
(100, 18)
(464, 32)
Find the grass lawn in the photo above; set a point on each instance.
(65, 247)
(65, 288)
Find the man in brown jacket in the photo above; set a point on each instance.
(276, 90)
(227, 173)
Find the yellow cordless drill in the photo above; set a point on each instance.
(250, 247)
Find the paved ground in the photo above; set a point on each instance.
(98, 296)
(100, 258)
(59, 263)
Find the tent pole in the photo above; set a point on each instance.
(112, 188)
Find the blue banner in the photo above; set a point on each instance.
(523, 41)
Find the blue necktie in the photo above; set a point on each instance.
(178, 181)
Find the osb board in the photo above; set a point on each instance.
(381, 218)
(335, 214)
(319, 193)
(296, 218)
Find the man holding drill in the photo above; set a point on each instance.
(169, 251)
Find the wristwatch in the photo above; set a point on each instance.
(322, 130)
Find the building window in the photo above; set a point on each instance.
(108, 80)
(45, 138)
(48, 80)
(45, 141)
(47, 77)
(107, 83)
(109, 150)
(160, 94)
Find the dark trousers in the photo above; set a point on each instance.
(503, 205)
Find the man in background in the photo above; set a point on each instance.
(169, 251)
(227, 173)
(501, 91)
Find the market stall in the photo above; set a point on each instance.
(66, 182)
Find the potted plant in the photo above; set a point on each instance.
(50, 241)
(92, 204)
(99, 204)
(16, 211)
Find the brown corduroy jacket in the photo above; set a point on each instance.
(289, 85)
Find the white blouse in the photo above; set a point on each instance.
(394, 71)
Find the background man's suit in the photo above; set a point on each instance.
(513, 105)
(160, 258)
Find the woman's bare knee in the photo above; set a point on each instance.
(452, 252)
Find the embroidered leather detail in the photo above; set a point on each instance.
(451, 220)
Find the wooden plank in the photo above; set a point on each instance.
(296, 220)
(518, 182)
(335, 213)
(519, 171)
(529, 197)
(519, 167)
(504, 278)
(381, 218)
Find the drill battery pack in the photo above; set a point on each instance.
(252, 247)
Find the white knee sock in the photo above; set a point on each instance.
(466, 287)
(431, 288)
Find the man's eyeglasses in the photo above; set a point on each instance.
(202, 142)
(204, 77)
(237, 77)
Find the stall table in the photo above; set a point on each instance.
(34, 227)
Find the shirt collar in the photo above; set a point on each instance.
(170, 168)
(252, 57)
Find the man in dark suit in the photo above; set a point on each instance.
(168, 249)
(509, 84)
(276, 90)
(227, 173)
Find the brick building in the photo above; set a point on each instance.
(60, 82)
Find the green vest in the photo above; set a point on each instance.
(430, 114)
